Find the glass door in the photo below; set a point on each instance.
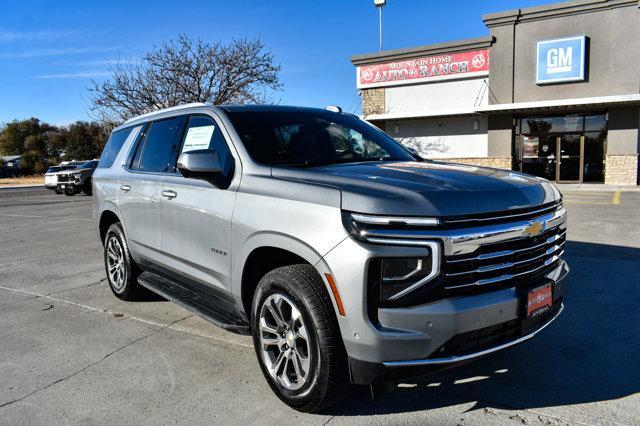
(570, 152)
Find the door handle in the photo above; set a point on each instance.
(125, 188)
(169, 194)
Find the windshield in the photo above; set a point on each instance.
(89, 165)
(308, 138)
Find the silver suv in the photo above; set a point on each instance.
(346, 256)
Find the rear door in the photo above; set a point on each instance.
(139, 187)
(196, 216)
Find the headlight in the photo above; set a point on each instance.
(402, 275)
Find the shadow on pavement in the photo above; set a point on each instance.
(589, 354)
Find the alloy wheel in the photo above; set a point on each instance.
(115, 263)
(284, 342)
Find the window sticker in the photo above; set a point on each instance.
(530, 147)
(198, 138)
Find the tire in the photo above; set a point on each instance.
(57, 191)
(69, 193)
(86, 188)
(326, 380)
(123, 280)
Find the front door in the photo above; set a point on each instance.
(570, 152)
(196, 216)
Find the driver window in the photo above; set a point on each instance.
(203, 132)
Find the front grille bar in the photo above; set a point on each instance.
(497, 267)
(504, 253)
(506, 277)
(515, 216)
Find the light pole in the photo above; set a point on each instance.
(379, 4)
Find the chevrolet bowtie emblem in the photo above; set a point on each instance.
(533, 229)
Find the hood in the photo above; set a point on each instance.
(72, 171)
(426, 188)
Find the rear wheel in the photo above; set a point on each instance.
(297, 340)
(122, 272)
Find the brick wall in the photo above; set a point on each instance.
(372, 101)
(495, 162)
(621, 169)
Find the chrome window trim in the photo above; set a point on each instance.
(453, 359)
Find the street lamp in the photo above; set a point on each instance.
(380, 4)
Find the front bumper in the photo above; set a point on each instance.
(69, 187)
(407, 340)
(453, 322)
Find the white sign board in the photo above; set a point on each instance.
(198, 138)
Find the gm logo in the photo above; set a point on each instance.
(560, 60)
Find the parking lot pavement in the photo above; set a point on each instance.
(71, 352)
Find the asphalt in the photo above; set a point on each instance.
(70, 352)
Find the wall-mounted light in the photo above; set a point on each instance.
(476, 124)
(396, 128)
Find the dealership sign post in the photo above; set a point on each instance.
(426, 68)
(560, 60)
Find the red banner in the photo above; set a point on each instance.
(445, 66)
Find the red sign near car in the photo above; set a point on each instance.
(426, 68)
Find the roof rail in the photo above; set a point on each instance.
(175, 108)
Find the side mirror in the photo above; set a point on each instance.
(201, 164)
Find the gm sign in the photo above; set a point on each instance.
(560, 60)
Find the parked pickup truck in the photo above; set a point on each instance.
(346, 256)
(51, 175)
(75, 181)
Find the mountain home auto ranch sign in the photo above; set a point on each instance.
(426, 68)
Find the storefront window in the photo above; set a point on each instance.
(567, 148)
(594, 149)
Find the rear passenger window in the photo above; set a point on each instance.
(161, 145)
(112, 148)
(203, 133)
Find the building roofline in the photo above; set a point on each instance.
(430, 49)
(553, 10)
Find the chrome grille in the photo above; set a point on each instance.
(477, 254)
(499, 262)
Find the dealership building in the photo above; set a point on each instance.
(552, 90)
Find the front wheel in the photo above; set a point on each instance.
(297, 340)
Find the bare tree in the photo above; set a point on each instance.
(182, 71)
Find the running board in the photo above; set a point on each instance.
(198, 298)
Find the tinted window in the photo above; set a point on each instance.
(111, 149)
(203, 133)
(313, 138)
(161, 145)
(89, 165)
(53, 169)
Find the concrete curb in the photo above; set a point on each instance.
(32, 185)
(597, 187)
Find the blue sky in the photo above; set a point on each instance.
(50, 50)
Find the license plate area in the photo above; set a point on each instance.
(539, 300)
(537, 306)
